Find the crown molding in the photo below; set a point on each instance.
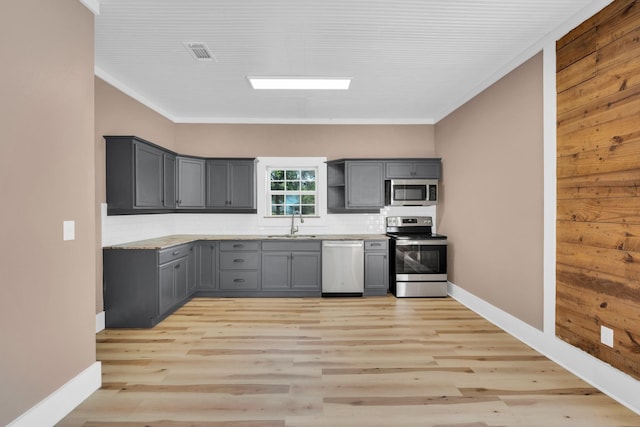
(92, 5)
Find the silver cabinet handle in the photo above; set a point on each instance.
(238, 260)
(238, 280)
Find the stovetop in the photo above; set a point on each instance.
(412, 228)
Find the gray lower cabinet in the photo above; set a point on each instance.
(291, 268)
(376, 267)
(142, 286)
(207, 268)
(173, 284)
(239, 264)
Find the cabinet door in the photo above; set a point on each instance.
(217, 184)
(192, 265)
(428, 170)
(275, 270)
(169, 198)
(207, 266)
(181, 276)
(167, 291)
(241, 185)
(399, 170)
(191, 173)
(305, 270)
(365, 185)
(376, 270)
(148, 172)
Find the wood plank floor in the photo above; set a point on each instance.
(334, 362)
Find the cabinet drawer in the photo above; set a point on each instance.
(375, 245)
(172, 253)
(300, 245)
(240, 260)
(232, 280)
(239, 245)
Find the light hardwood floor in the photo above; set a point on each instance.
(334, 362)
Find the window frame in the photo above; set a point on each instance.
(264, 164)
(270, 192)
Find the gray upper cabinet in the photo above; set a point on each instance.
(148, 168)
(140, 176)
(364, 185)
(231, 185)
(169, 181)
(191, 183)
(145, 178)
(413, 169)
(355, 185)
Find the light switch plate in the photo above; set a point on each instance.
(606, 336)
(69, 230)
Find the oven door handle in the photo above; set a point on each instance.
(434, 242)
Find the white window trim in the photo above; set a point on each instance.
(310, 223)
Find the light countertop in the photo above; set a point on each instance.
(179, 239)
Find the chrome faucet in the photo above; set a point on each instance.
(294, 229)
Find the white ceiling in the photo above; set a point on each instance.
(412, 61)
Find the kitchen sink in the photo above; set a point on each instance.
(292, 236)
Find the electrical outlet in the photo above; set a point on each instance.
(606, 336)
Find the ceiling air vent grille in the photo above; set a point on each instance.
(200, 51)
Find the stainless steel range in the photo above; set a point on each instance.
(418, 266)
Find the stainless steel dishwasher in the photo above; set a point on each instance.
(342, 268)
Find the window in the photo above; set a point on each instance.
(292, 191)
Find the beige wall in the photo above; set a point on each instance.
(47, 317)
(492, 193)
(119, 114)
(331, 141)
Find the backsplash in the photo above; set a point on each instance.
(118, 229)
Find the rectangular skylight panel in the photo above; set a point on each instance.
(281, 83)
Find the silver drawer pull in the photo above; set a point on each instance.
(238, 245)
(176, 252)
(376, 244)
(238, 280)
(238, 260)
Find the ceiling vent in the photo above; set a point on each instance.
(200, 51)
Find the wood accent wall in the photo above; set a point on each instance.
(598, 171)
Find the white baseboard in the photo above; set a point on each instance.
(61, 402)
(613, 382)
(99, 321)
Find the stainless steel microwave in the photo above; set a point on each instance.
(411, 192)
